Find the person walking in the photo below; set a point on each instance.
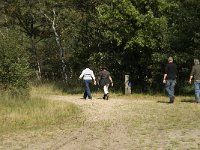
(87, 75)
(169, 79)
(195, 73)
(105, 79)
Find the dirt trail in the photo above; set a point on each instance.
(95, 135)
(102, 129)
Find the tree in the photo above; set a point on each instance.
(43, 21)
(14, 68)
(137, 30)
(22, 15)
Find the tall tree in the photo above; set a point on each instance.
(22, 16)
(14, 68)
(137, 30)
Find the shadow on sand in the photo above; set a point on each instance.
(165, 102)
(188, 101)
(183, 100)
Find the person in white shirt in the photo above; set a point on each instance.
(87, 75)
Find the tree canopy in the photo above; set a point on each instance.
(55, 39)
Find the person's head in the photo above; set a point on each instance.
(170, 59)
(103, 68)
(87, 65)
(196, 61)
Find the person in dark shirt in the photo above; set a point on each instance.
(195, 73)
(105, 80)
(169, 78)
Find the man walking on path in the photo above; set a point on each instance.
(87, 75)
(195, 73)
(169, 78)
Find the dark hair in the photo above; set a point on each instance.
(104, 67)
(87, 65)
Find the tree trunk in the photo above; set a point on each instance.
(37, 67)
(63, 65)
(61, 49)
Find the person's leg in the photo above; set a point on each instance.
(197, 91)
(169, 90)
(172, 85)
(85, 94)
(87, 87)
(106, 91)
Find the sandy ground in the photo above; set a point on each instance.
(102, 130)
(99, 114)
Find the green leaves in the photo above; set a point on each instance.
(124, 22)
(14, 68)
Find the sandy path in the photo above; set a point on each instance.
(102, 129)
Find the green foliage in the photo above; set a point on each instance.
(124, 22)
(128, 36)
(14, 69)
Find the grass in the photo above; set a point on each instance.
(152, 123)
(148, 121)
(36, 113)
(45, 89)
(157, 117)
(157, 124)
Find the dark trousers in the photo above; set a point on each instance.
(87, 92)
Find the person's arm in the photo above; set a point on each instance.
(81, 74)
(111, 81)
(165, 75)
(99, 78)
(95, 82)
(191, 75)
(93, 77)
(164, 78)
(190, 80)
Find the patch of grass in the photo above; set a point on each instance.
(36, 113)
(151, 116)
(45, 89)
(58, 88)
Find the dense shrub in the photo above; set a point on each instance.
(14, 68)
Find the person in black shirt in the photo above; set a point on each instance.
(105, 80)
(169, 78)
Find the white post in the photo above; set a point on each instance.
(127, 85)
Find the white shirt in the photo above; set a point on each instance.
(87, 74)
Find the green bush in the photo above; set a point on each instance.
(14, 68)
